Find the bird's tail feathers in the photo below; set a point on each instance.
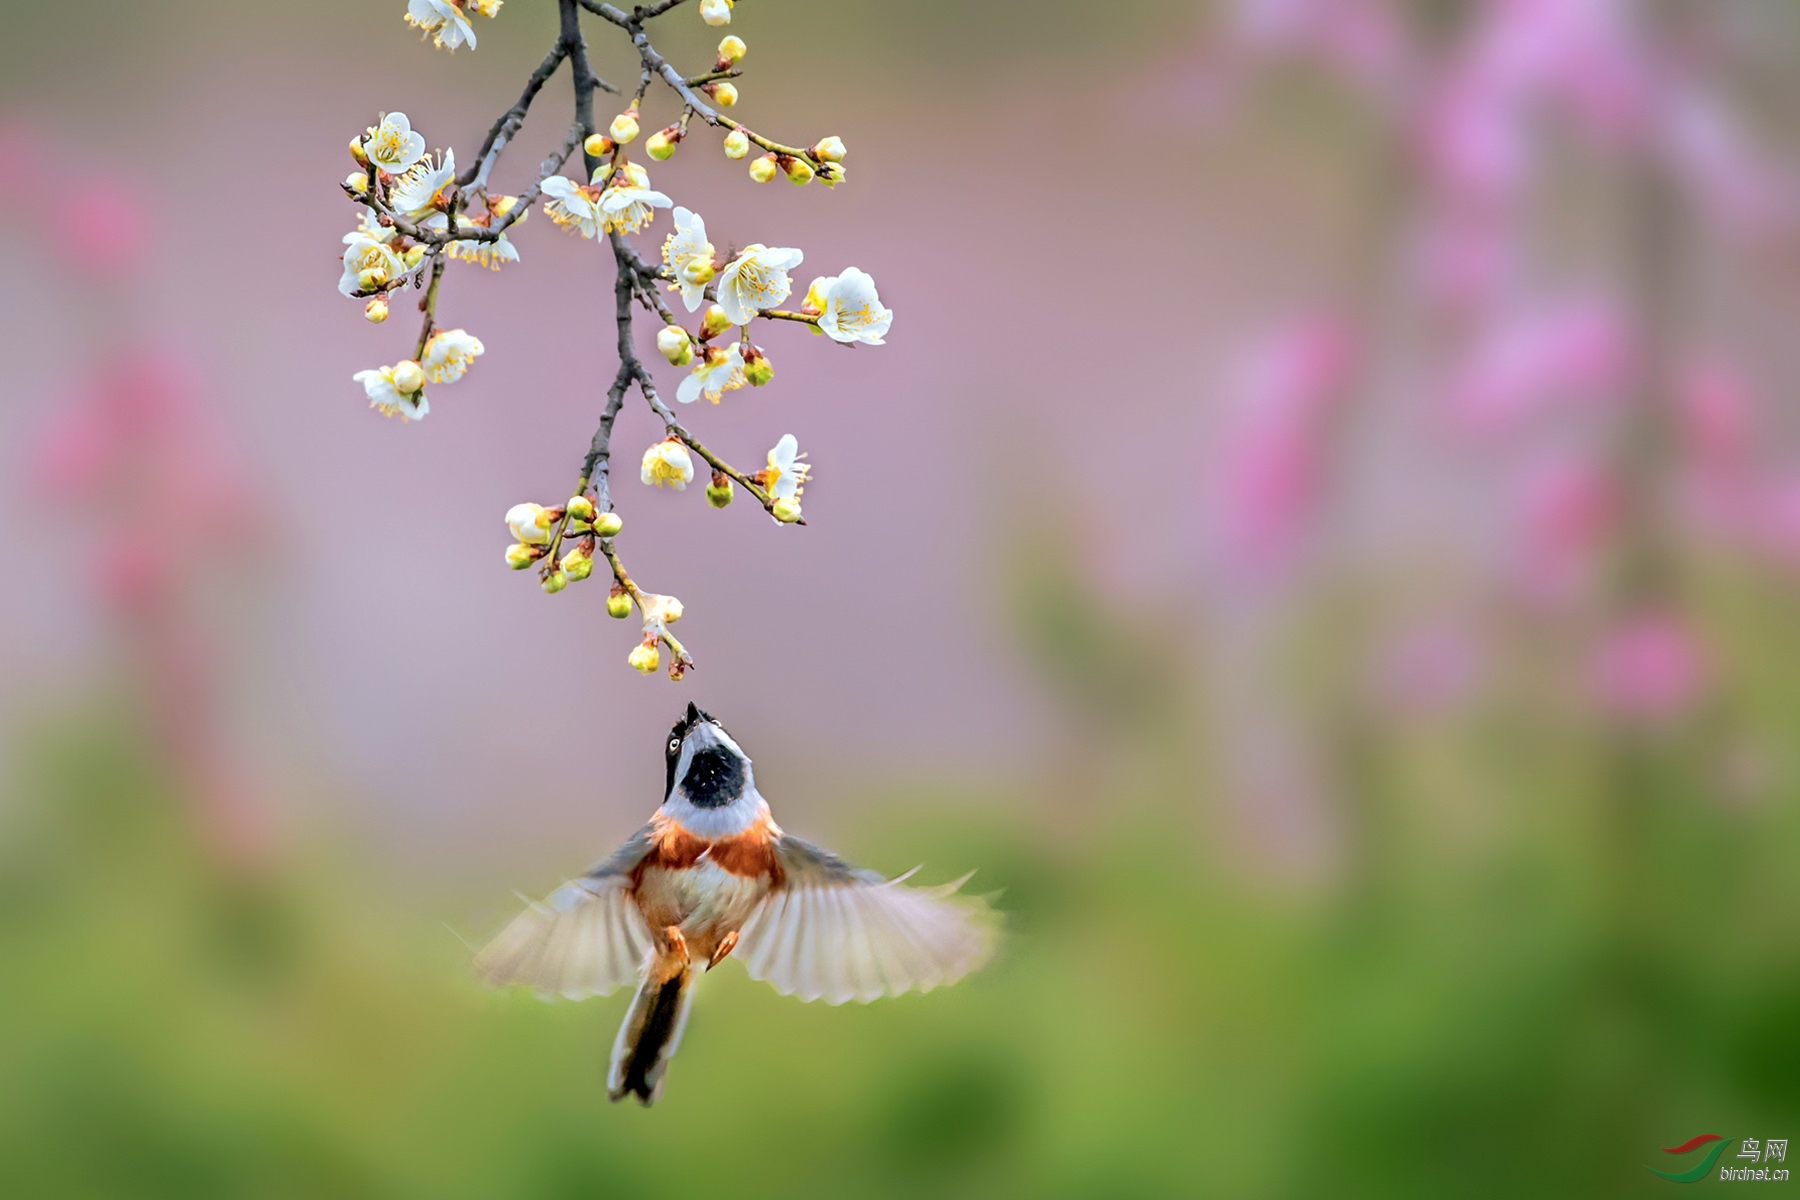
(649, 1036)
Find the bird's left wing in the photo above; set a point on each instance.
(585, 939)
(835, 931)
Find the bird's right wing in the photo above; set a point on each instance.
(835, 931)
(585, 939)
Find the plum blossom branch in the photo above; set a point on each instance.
(418, 213)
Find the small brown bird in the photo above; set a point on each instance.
(710, 876)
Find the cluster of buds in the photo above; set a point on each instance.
(659, 613)
(800, 169)
(539, 534)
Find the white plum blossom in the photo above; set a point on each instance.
(718, 372)
(573, 206)
(448, 355)
(786, 474)
(390, 400)
(668, 463)
(530, 523)
(418, 193)
(447, 20)
(629, 206)
(687, 245)
(850, 310)
(394, 147)
(756, 279)
(716, 12)
(369, 248)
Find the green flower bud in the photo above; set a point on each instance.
(555, 582)
(577, 564)
(799, 171)
(674, 344)
(608, 524)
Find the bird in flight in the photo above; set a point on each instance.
(710, 877)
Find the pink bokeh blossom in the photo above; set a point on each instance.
(1649, 667)
(1579, 350)
(1271, 458)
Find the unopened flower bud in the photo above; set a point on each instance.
(519, 556)
(737, 144)
(698, 270)
(799, 171)
(661, 144)
(787, 510)
(814, 304)
(618, 603)
(608, 524)
(829, 149)
(370, 278)
(732, 50)
(718, 492)
(409, 377)
(357, 181)
(357, 152)
(723, 92)
(714, 322)
(598, 145)
(413, 256)
(759, 370)
(763, 169)
(644, 657)
(579, 508)
(831, 174)
(715, 12)
(674, 344)
(376, 310)
(624, 127)
(555, 582)
(577, 564)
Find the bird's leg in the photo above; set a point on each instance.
(726, 945)
(671, 954)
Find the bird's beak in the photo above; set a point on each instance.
(693, 712)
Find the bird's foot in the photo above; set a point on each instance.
(726, 945)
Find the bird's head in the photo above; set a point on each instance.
(705, 765)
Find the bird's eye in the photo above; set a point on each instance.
(674, 744)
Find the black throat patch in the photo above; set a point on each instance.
(714, 778)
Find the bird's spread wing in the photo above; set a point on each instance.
(585, 939)
(835, 931)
